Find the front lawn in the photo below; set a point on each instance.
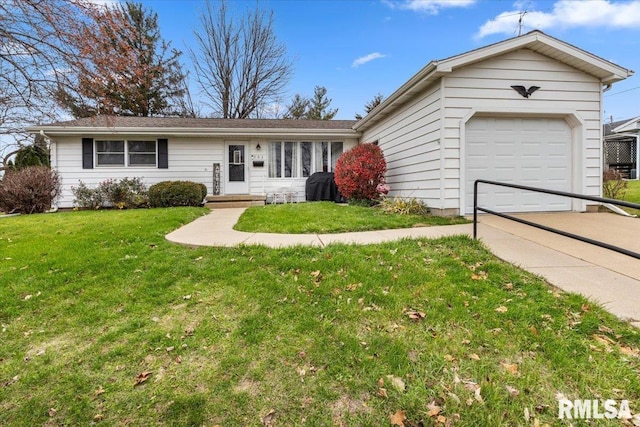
(105, 322)
(328, 217)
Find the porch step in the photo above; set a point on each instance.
(234, 201)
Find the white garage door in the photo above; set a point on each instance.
(527, 151)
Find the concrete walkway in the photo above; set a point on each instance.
(607, 277)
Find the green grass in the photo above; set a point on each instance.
(633, 192)
(91, 300)
(328, 217)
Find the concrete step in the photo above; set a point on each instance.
(236, 198)
(233, 204)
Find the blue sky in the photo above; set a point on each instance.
(357, 48)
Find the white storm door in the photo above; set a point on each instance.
(236, 168)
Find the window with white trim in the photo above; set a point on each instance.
(293, 159)
(126, 153)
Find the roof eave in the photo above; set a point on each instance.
(215, 132)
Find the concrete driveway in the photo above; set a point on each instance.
(608, 277)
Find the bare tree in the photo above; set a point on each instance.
(34, 54)
(240, 66)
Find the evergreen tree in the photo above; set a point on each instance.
(377, 100)
(318, 108)
(298, 108)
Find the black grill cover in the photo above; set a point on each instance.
(321, 186)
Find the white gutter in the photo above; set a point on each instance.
(220, 132)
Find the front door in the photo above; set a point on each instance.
(237, 170)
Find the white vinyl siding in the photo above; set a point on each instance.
(485, 88)
(410, 141)
(190, 158)
(422, 139)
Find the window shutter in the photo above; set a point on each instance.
(87, 153)
(163, 153)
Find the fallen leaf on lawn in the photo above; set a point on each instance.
(441, 419)
(509, 286)
(449, 358)
(397, 382)
(433, 409)
(629, 351)
(602, 339)
(398, 418)
(416, 316)
(478, 396)
(186, 297)
(382, 392)
(353, 286)
(526, 414)
(98, 417)
(198, 259)
(605, 329)
(142, 377)
(269, 419)
(585, 307)
(512, 368)
(474, 356)
(471, 386)
(52, 412)
(481, 275)
(178, 359)
(513, 392)
(502, 309)
(98, 392)
(533, 330)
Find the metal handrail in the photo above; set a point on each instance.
(477, 208)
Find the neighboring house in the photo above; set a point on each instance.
(456, 120)
(622, 147)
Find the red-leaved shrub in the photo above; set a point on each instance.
(29, 190)
(359, 171)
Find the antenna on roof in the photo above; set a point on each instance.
(520, 23)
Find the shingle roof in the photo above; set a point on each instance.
(201, 123)
(609, 127)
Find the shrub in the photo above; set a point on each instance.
(359, 171)
(87, 198)
(32, 189)
(613, 186)
(125, 193)
(177, 193)
(404, 206)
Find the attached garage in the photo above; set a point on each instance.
(525, 111)
(535, 152)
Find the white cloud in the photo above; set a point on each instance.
(568, 14)
(428, 6)
(367, 58)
